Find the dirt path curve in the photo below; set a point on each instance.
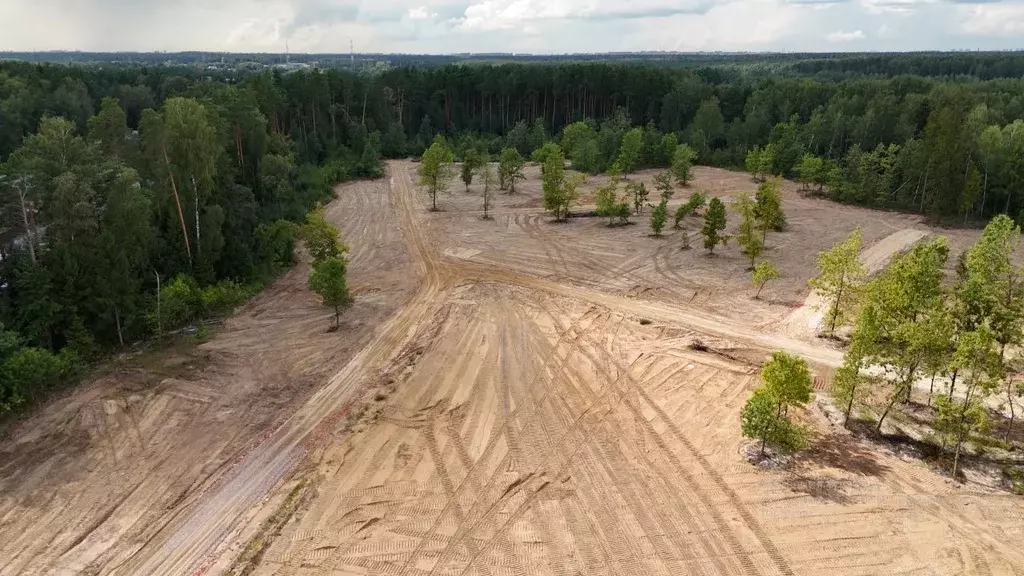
(189, 537)
(182, 545)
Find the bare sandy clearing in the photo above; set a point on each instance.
(91, 478)
(807, 320)
(541, 435)
(504, 412)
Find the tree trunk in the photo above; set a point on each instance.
(177, 202)
(835, 309)
(924, 187)
(759, 288)
(956, 454)
(952, 384)
(1013, 412)
(195, 194)
(909, 382)
(159, 319)
(984, 192)
(337, 317)
(849, 408)
(238, 146)
(892, 401)
(29, 229)
(117, 320)
(931, 389)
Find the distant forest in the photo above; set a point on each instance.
(981, 65)
(115, 174)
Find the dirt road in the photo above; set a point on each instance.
(107, 470)
(541, 429)
(512, 416)
(189, 538)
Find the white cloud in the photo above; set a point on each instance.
(490, 15)
(741, 25)
(994, 19)
(420, 13)
(894, 6)
(542, 26)
(840, 36)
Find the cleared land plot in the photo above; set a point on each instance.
(504, 412)
(627, 260)
(95, 475)
(544, 430)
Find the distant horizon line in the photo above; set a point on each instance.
(579, 53)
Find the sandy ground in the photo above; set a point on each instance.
(511, 416)
(94, 476)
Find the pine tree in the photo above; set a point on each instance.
(605, 200)
(768, 208)
(658, 217)
(749, 238)
(109, 127)
(510, 169)
(663, 184)
(698, 200)
(629, 151)
(682, 163)
(714, 223)
(470, 164)
(487, 176)
(638, 191)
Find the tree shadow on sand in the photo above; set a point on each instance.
(839, 451)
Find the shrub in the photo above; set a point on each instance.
(26, 371)
(180, 304)
(223, 297)
(277, 243)
(333, 172)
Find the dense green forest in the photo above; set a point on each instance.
(115, 189)
(113, 176)
(981, 65)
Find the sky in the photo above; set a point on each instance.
(523, 26)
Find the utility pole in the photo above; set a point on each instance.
(352, 53)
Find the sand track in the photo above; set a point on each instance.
(517, 418)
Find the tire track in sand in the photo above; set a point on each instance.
(182, 544)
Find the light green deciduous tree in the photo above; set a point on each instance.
(764, 273)
(328, 280)
(510, 169)
(436, 169)
(749, 237)
(682, 164)
(629, 151)
(840, 275)
(765, 417)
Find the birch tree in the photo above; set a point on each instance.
(839, 279)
